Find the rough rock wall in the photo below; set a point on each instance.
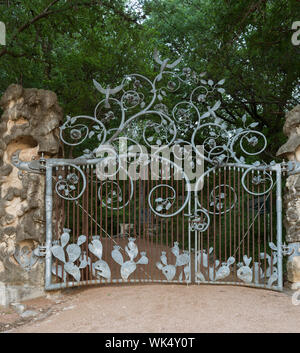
(291, 151)
(30, 124)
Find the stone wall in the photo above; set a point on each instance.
(29, 124)
(291, 151)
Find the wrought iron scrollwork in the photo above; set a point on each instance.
(138, 98)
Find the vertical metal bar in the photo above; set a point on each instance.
(220, 217)
(279, 224)
(177, 203)
(63, 222)
(156, 217)
(240, 219)
(74, 230)
(101, 207)
(214, 251)
(167, 195)
(182, 213)
(145, 216)
(68, 207)
(49, 207)
(196, 265)
(200, 235)
(136, 213)
(172, 218)
(148, 224)
(258, 230)
(230, 201)
(208, 230)
(248, 218)
(271, 223)
(152, 226)
(106, 223)
(253, 228)
(85, 220)
(92, 198)
(87, 215)
(111, 218)
(96, 202)
(265, 233)
(57, 217)
(162, 196)
(189, 242)
(225, 216)
(235, 210)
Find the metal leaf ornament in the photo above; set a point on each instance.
(81, 240)
(72, 270)
(58, 252)
(73, 251)
(117, 256)
(143, 259)
(65, 237)
(96, 248)
(102, 269)
(127, 269)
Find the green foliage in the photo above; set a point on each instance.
(246, 42)
(64, 47)
(61, 45)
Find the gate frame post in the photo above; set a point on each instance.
(48, 207)
(278, 169)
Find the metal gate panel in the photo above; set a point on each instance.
(109, 234)
(90, 241)
(242, 244)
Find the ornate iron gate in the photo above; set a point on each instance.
(220, 226)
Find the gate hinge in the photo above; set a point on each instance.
(40, 250)
(287, 250)
(292, 167)
(37, 166)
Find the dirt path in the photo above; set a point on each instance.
(162, 308)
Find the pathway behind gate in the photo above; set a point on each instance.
(160, 308)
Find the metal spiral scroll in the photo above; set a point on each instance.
(67, 186)
(139, 99)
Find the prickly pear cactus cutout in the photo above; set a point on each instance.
(100, 268)
(128, 267)
(73, 252)
(214, 271)
(169, 271)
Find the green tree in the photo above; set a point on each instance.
(62, 45)
(248, 43)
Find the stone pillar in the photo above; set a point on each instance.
(29, 124)
(291, 151)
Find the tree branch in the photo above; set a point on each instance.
(46, 13)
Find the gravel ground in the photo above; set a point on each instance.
(158, 308)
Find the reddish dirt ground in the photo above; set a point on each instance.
(158, 308)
